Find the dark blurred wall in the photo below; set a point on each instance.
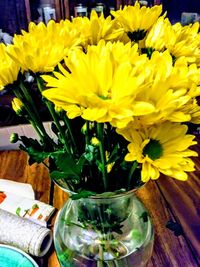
(176, 7)
(12, 16)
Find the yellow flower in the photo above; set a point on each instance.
(168, 88)
(136, 19)
(43, 47)
(193, 109)
(161, 148)
(185, 42)
(8, 68)
(160, 34)
(69, 35)
(17, 105)
(97, 87)
(97, 28)
(181, 41)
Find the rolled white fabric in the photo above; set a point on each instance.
(24, 234)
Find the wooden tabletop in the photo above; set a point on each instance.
(166, 200)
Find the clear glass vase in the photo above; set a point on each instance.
(113, 231)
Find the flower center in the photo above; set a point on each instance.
(153, 149)
(136, 36)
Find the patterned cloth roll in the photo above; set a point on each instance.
(24, 234)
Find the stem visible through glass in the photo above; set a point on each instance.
(100, 134)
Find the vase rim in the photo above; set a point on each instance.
(104, 195)
(115, 195)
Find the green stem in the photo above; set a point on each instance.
(31, 117)
(57, 123)
(51, 109)
(66, 121)
(134, 166)
(100, 133)
(110, 264)
(118, 263)
(34, 118)
(100, 262)
(29, 99)
(87, 140)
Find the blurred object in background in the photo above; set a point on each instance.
(13, 16)
(34, 10)
(5, 37)
(143, 3)
(42, 10)
(99, 8)
(187, 18)
(175, 8)
(80, 10)
(49, 13)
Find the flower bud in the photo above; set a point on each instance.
(94, 141)
(17, 105)
(58, 109)
(14, 138)
(84, 129)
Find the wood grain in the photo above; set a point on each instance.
(58, 10)
(168, 249)
(184, 202)
(66, 9)
(14, 166)
(165, 200)
(28, 10)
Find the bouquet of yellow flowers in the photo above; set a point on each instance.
(119, 93)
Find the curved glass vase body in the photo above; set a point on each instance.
(104, 232)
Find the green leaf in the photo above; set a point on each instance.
(66, 165)
(82, 194)
(90, 153)
(18, 211)
(36, 156)
(100, 165)
(63, 175)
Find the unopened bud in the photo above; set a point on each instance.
(14, 138)
(94, 141)
(17, 105)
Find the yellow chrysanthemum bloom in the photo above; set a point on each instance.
(8, 68)
(96, 28)
(159, 35)
(161, 148)
(97, 87)
(181, 41)
(169, 88)
(137, 20)
(43, 47)
(69, 35)
(193, 109)
(185, 42)
(121, 53)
